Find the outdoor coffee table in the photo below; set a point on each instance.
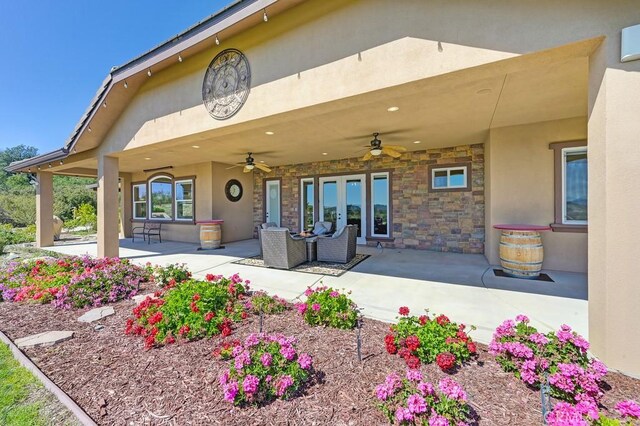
(521, 251)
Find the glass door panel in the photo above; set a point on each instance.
(273, 201)
(329, 210)
(353, 191)
(342, 202)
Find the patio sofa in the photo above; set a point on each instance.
(282, 250)
(340, 247)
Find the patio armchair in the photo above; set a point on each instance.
(282, 250)
(260, 228)
(326, 225)
(339, 248)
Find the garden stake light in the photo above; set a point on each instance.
(260, 320)
(545, 399)
(359, 340)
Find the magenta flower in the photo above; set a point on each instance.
(230, 391)
(334, 294)
(308, 292)
(451, 389)
(250, 384)
(283, 384)
(305, 361)
(522, 318)
(224, 378)
(301, 307)
(414, 375)
(426, 388)
(266, 359)
(438, 420)
(403, 414)
(565, 414)
(416, 404)
(288, 352)
(628, 408)
(315, 307)
(382, 392)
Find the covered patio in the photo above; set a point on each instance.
(460, 285)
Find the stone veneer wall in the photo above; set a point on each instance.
(439, 221)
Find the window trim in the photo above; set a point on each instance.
(372, 225)
(302, 194)
(134, 202)
(175, 199)
(566, 151)
(559, 149)
(150, 210)
(433, 168)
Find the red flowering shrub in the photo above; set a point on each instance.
(191, 310)
(419, 339)
(170, 275)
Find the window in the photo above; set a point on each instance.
(307, 203)
(571, 186)
(450, 177)
(161, 206)
(380, 204)
(140, 201)
(184, 200)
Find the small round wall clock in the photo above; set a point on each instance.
(226, 84)
(233, 190)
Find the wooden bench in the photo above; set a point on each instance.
(148, 230)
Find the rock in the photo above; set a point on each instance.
(97, 314)
(98, 327)
(46, 338)
(140, 297)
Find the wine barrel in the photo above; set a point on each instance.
(521, 253)
(210, 236)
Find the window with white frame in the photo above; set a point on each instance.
(307, 203)
(140, 201)
(449, 177)
(574, 186)
(161, 198)
(380, 204)
(184, 199)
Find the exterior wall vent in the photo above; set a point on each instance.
(630, 46)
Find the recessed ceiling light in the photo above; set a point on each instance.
(195, 146)
(324, 153)
(417, 141)
(483, 91)
(270, 133)
(147, 158)
(262, 161)
(393, 109)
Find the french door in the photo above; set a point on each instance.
(343, 202)
(272, 200)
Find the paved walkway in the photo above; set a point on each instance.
(461, 286)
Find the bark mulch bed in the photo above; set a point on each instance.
(117, 382)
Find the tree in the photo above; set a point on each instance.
(10, 155)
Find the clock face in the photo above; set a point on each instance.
(233, 190)
(226, 84)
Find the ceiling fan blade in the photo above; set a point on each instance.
(390, 152)
(233, 167)
(367, 156)
(396, 147)
(246, 170)
(263, 167)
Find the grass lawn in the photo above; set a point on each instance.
(17, 407)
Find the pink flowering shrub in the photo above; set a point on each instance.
(260, 301)
(560, 356)
(263, 368)
(424, 339)
(71, 281)
(585, 414)
(329, 307)
(410, 400)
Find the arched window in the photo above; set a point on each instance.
(161, 198)
(164, 197)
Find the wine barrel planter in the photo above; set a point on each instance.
(210, 234)
(521, 251)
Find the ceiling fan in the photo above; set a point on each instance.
(249, 164)
(376, 149)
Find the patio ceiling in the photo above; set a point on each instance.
(448, 110)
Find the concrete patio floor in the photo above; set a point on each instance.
(462, 286)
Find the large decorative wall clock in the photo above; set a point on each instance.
(226, 84)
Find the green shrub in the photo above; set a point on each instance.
(171, 275)
(262, 302)
(84, 216)
(326, 306)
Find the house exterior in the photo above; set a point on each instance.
(508, 112)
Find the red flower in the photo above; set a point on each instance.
(412, 361)
(442, 320)
(462, 336)
(403, 310)
(423, 319)
(243, 315)
(210, 277)
(389, 339)
(149, 341)
(226, 331)
(404, 353)
(195, 297)
(129, 327)
(446, 361)
(209, 316)
(169, 340)
(158, 293)
(412, 343)
(194, 307)
(184, 330)
(472, 347)
(155, 318)
(391, 348)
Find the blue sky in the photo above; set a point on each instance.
(55, 54)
